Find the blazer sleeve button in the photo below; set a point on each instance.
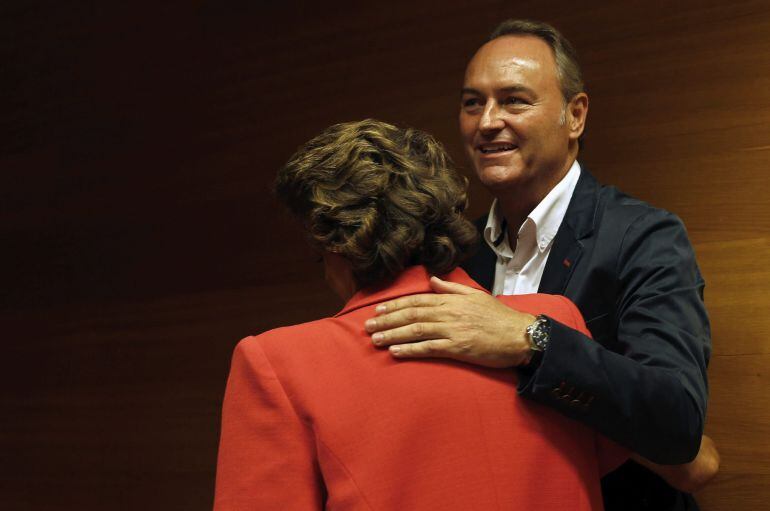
(558, 392)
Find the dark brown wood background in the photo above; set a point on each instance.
(139, 241)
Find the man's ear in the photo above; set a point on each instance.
(577, 111)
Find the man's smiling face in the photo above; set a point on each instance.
(512, 115)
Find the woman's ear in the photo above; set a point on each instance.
(339, 275)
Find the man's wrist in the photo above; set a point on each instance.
(538, 334)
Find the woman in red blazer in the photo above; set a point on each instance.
(316, 417)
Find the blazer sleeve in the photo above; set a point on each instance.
(649, 391)
(610, 455)
(266, 453)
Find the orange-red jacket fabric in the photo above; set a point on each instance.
(316, 417)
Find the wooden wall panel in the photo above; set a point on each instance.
(139, 240)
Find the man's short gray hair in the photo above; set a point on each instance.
(567, 67)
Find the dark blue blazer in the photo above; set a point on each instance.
(631, 270)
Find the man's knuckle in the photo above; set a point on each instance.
(463, 347)
(418, 329)
(460, 329)
(455, 313)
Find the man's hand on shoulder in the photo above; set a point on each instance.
(456, 322)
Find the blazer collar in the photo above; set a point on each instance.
(581, 212)
(412, 280)
(577, 225)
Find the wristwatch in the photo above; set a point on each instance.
(539, 335)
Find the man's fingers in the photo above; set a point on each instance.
(431, 348)
(409, 333)
(399, 318)
(422, 300)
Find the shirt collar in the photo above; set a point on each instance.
(546, 217)
(494, 231)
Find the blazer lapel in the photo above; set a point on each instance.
(565, 254)
(567, 247)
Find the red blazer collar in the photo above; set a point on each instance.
(413, 280)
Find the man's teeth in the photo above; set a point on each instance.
(487, 150)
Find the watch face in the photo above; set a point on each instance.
(539, 333)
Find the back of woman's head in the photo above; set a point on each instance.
(382, 197)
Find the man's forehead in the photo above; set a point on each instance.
(516, 62)
(518, 44)
(512, 54)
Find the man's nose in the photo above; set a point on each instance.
(490, 118)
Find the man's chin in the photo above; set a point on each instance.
(499, 177)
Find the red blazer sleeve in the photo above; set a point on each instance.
(266, 453)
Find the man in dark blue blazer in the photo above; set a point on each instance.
(553, 228)
(631, 271)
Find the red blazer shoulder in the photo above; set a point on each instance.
(556, 307)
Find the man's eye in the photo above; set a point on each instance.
(512, 100)
(471, 102)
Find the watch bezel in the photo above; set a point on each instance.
(539, 332)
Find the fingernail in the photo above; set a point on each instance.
(395, 350)
(380, 308)
(369, 324)
(376, 338)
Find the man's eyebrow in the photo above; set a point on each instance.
(518, 88)
(507, 90)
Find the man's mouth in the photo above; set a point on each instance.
(496, 148)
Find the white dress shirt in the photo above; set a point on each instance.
(519, 272)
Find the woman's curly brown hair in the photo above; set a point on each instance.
(383, 197)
